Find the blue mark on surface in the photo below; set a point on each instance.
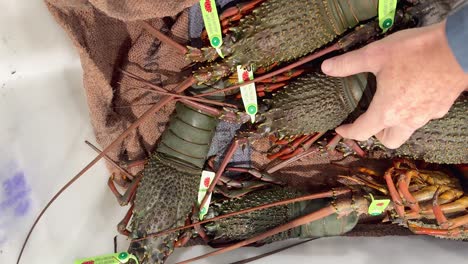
(16, 195)
(15, 199)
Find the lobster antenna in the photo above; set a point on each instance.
(111, 161)
(163, 101)
(335, 192)
(272, 252)
(163, 38)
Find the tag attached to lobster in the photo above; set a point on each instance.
(212, 24)
(377, 207)
(387, 10)
(116, 258)
(248, 92)
(205, 182)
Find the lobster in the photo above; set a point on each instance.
(417, 197)
(318, 103)
(337, 13)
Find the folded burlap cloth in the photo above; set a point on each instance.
(108, 38)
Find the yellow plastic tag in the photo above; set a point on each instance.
(212, 25)
(205, 182)
(117, 258)
(377, 207)
(387, 10)
(248, 92)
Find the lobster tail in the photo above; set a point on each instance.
(188, 136)
(347, 14)
(314, 103)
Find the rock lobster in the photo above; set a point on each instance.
(418, 197)
(270, 30)
(318, 103)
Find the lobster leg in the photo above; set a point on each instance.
(303, 147)
(288, 149)
(403, 184)
(459, 205)
(398, 203)
(122, 226)
(235, 13)
(456, 233)
(129, 193)
(439, 215)
(191, 53)
(229, 154)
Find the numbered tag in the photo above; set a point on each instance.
(387, 10)
(248, 92)
(377, 207)
(117, 258)
(205, 182)
(212, 25)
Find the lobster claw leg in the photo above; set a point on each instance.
(460, 232)
(398, 203)
(122, 226)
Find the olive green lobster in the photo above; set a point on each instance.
(407, 189)
(262, 39)
(317, 103)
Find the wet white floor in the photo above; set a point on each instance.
(43, 123)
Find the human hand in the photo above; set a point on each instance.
(418, 79)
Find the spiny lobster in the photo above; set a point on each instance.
(417, 197)
(318, 103)
(337, 13)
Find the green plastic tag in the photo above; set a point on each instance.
(248, 92)
(205, 182)
(117, 258)
(387, 10)
(212, 25)
(377, 207)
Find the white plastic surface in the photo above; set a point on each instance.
(43, 123)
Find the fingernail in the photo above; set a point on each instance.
(327, 66)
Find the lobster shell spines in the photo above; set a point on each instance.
(164, 198)
(247, 225)
(441, 140)
(280, 31)
(313, 103)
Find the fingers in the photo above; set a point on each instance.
(351, 63)
(394, 137)
(367, 125)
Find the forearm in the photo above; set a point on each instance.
(457, 34)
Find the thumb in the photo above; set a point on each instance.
(350, 63)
